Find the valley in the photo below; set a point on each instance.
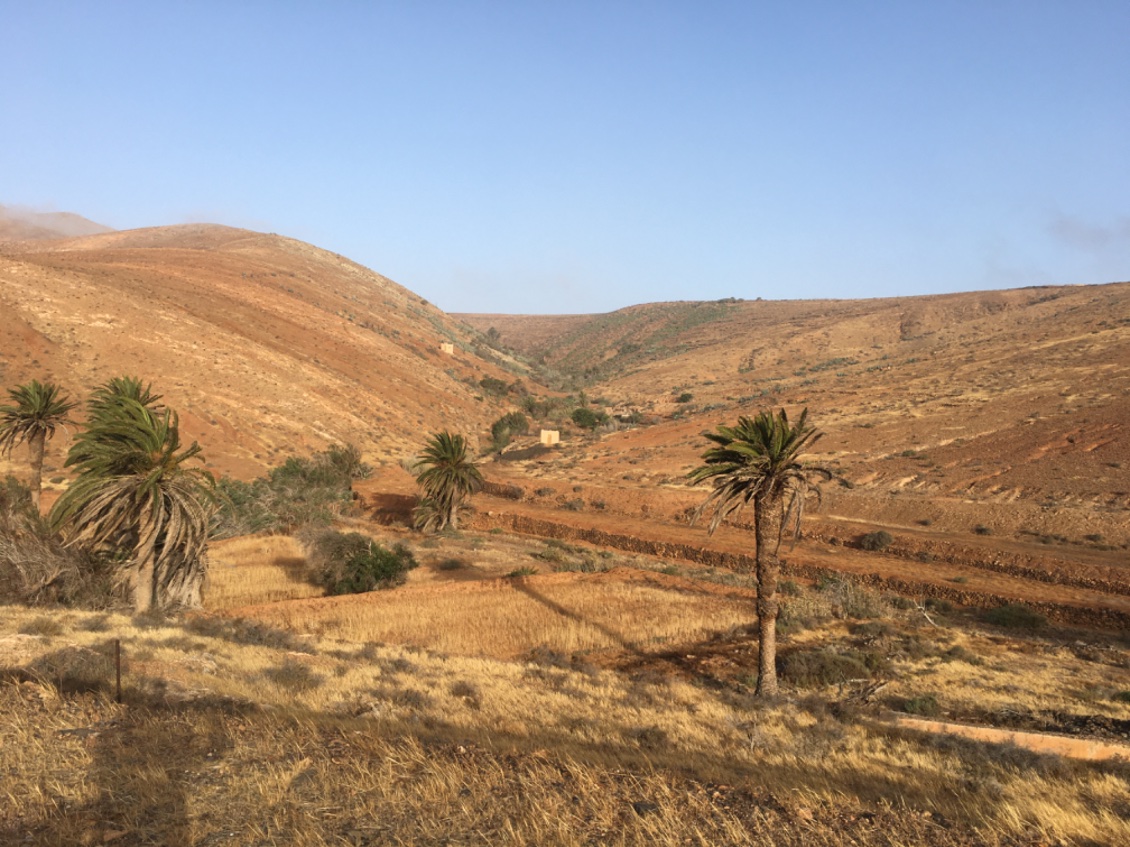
(576, 663)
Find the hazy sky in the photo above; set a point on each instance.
(582, 156)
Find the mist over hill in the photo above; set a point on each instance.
(18, 224)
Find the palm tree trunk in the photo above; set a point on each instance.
(767, 521)
(36, 445)
(144, 586)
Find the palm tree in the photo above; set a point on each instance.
(758, 461)
(136, 494)
(447, 478)
(40, 407)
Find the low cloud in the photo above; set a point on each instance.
(1085, 235)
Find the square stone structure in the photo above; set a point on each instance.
(448, 348)
(549, 437)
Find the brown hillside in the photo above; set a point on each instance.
(266, 346)
(1001, 410)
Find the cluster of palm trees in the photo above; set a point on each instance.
(136, 496)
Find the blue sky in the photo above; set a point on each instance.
(579, 157)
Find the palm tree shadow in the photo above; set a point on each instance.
(524, 586)
(638, 662)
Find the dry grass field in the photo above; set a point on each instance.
(565, 707)
(507, 618)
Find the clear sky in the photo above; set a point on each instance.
(548, 156)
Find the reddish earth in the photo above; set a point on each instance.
(1075, 592)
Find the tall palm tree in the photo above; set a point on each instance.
(758, 462)
(136, 493)
(446, 477)
(39, 409)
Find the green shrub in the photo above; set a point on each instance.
(876, 541)
(981, 529)
(501, 431)
(926, 706)
(685, 397)
(351, 563)
(493, 386)
(586, 418)
(300, 492)
(1015, 616)
(526, 570)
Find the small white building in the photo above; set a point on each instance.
(549, 437)
(448, 348)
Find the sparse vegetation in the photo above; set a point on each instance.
(584, 700)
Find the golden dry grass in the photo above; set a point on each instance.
(257, 569)
(349, 743)
(506, 618)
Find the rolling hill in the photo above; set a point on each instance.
(265, 345)
(1003, 408)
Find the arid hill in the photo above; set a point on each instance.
(267, 346)
(1006, 410)
(1001, 413)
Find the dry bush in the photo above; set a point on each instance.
(850, 599)
(300, 492)
(36, 568)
